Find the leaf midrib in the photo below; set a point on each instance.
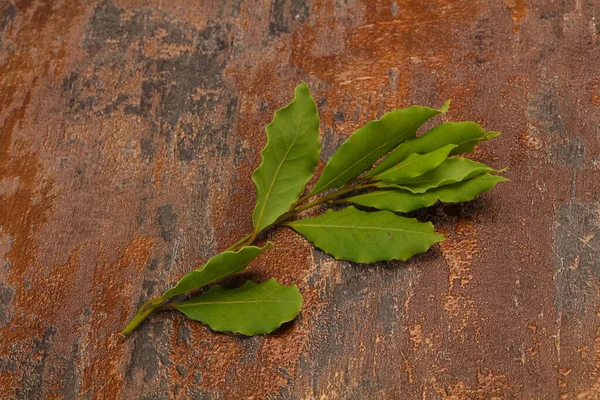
(374, 193)
(415, 160)
(221, 276)
(360, 228)
(268, 194)
(233, 302)
(458, 144)
(422, 182)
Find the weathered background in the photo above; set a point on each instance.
(128, 133)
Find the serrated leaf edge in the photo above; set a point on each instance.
(262, 160)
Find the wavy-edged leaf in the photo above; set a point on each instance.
(252, 309)
(369, 143)
(465, 135)
(404, 201)
(366, 237)
(415, 165)
(450, 171)
(288, 159)
(218, 267)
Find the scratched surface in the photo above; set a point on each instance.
(128, 133)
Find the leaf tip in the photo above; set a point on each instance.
(491, 135)
(445, 107)
(302, 85)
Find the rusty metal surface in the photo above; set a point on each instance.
(128, 133)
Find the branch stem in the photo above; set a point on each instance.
(147, 309)
(157, 304)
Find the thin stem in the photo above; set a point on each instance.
(170, 306)
(237, 244)
(302, 200)
(157, 304)
(325, 199)
(142, 314)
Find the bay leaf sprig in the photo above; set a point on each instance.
(383, 167)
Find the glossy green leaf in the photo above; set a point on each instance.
(465, 135)
(415, 165)
(252, 309)
(288, 159)
(452, 170)
(405, 201)
(218, 267)
(366, 237)
(369, 143)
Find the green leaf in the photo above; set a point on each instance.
(252, 309)
(415, 165)
(366, 237)
(403, 201)
(450, 171)
(218, 267)
(465, 135)
(369, 143)
(288, 159)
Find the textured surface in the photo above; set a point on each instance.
(128, 134)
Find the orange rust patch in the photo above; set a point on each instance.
(110, 309)
(458, 252)
(593, 391)
(594, 88)
(361, 61)
(25, 207)
(489, 385)
(20, 217)
(518, 11)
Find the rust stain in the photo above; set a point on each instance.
(489, 385)
(594, 88)
(458, 250)
(518, 10)
(459, 253)
(233, 209)
(593, 390)
(110, 310)
(20, 217)
(368, 61)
